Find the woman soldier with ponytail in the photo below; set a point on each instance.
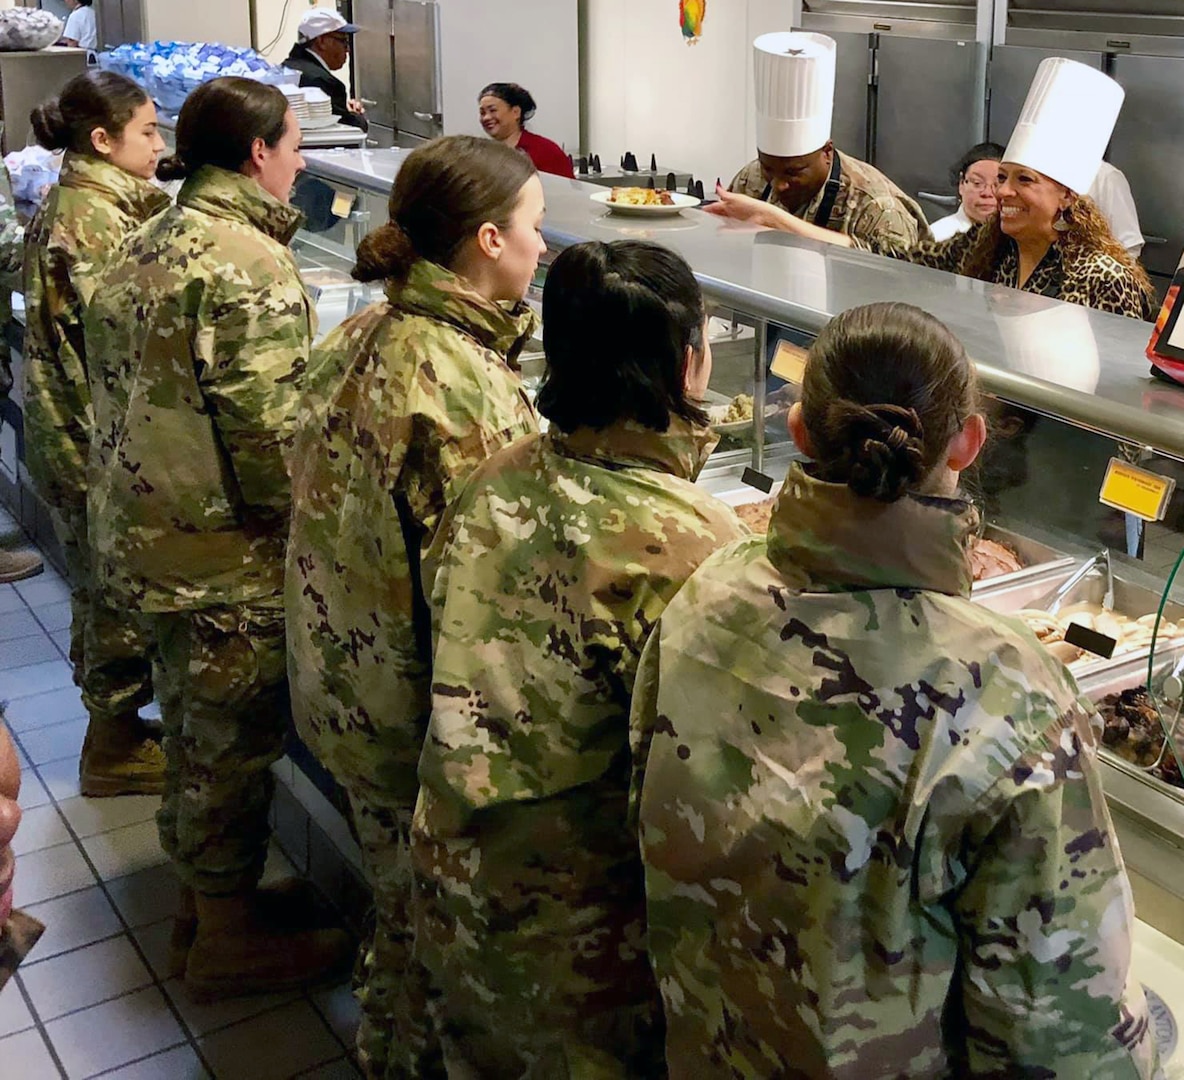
(413, 393)
(200, 331)
(107, 126)
(872, 823)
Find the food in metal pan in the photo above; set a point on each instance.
(739, 408)
(1133, 732)
(636, 196)
(990, 559)
(1130, 634)
(756, 515)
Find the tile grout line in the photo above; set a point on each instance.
(39, 1026)
(102, 884)
(139, 1060)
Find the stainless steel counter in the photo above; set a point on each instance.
(1064, 360)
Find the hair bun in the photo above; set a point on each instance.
(49, 125)
(885, 448)
(387, 252)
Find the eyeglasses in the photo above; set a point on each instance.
(341, 39)
(980, 185)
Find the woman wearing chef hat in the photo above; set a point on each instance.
(1046, 239)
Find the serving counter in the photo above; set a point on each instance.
(1068, 389)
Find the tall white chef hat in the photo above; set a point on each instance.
(794, 74)
(1066, 122)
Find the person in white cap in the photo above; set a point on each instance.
(322, 47)
(1047, 238)
(798, 168)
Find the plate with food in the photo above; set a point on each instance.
(643, 202)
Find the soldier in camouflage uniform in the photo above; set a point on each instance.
(558, 557)
(418, 390)
(874, 832)
(200, 330)
(100, 197)
(14, 565)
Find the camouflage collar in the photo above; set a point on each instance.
(682, 449)
(135, 197)
(440, 294)
(224, 194)
(841, 541)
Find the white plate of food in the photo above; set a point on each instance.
(644, 202)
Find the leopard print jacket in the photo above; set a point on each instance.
(1098, 281)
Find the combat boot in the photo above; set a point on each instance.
(121, 756)
(290, 904)
(18, 565)
(236, 952)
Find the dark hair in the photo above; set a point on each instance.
(86, 3)
(617, 322)
(444, 192)
(887, 386)
(100, 99)
(219, 123)
(513, 95)
(984, 151)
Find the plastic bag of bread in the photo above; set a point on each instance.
(28, 29)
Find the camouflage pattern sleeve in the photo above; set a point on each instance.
(12, 234)
(884, 222)
(1045, 921)
(749, 181)
(251, 355)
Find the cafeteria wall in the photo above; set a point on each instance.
(646, 89)
(276, 22)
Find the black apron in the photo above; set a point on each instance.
(830, 193)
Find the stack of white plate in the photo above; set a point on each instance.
(296, 102)
(319, 109)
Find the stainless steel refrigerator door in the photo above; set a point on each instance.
(929, 111)
(374, 60)
(853, 59)
(418, 108)
(1012, 69)
(119, 21)
(1147, 148)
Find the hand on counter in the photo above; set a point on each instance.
(757, 212)
(355, 106)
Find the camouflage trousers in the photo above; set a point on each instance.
(224, 699)
(530, 920)
(111, 648)
(17, 938)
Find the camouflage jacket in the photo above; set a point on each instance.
(869, 206)
(79, 227)
(12, 244)
(1090, 278)
(559, 556)
(413, 393)
(875, 837)
(198, 335)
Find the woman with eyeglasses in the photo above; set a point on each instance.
(976, 176)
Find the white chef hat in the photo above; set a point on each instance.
(1066, 122)
(1055, 343)
(794, 75)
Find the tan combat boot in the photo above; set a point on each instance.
(18, 565)
(290, 904)
(121, 756)
(236, 952)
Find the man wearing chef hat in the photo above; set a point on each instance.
(322, 47)
(798, 166)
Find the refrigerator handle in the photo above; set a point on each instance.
(941, 200)
(438, 87)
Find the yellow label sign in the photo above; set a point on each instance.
(1137, 491)
(343, 203)
(789, 362)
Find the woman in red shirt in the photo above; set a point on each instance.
(505, 108)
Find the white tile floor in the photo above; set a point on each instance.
(94, 998)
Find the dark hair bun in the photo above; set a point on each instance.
(885, 448)
(387, 252)
(171, 168)
(49, 125)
